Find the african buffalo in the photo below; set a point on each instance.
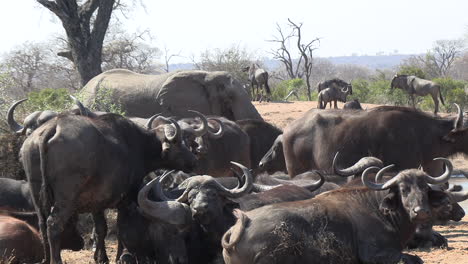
(31, 122)
(355, 105)
(78, 164)
(335, 87)
(15, 195)
(369, 224)
(262, 136)
(19, 242)
(206, 206)
(331, 94)
(273, 160)
(172, 94)
(193, 129)
(228, 144)
(444, 209)
(70, 238)
(396, 135)
(334, 83)
(37, 118)
(417, 86)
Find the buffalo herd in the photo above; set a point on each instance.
(335, 186)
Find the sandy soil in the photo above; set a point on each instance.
(281, 114)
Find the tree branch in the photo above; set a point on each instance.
(87, 9)
(101, 23)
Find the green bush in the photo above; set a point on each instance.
(377, 92)
(412, 70)
(453, 91)
(283, 88)
(49, 99)
(104, 101)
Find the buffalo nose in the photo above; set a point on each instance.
(421, 212)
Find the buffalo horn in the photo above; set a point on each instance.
(176, 134)
(159, 191)
(83, 110)
(150, 121)
(459, 120)
(220, 131)
(204, 127)
(14, 126)
(238, 192)
(345, 89)
(362, 164)
(257, 187)
(378, 186)
(309, 186)
(445, 176)
(172, 212)
(459, 196)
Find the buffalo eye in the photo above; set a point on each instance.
(405, 191)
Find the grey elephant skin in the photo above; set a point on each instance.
(173, 94)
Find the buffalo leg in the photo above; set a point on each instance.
(100, 225)
(43, 229)
(336, 104)
(55, 224)
(412, 100)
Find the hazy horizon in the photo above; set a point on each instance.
(361, 27)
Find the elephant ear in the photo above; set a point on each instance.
(185, 91)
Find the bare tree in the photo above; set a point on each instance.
(444, 54)
(130, 51)
(85, 24)
(23, 65)
(306, 54)
(168, 57)
(232, 60)
(302, 67)
(34, 66)
(460, 68)
(283, 54)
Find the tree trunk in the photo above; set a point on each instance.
(85, 42)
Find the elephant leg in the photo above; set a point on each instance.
(100, 255)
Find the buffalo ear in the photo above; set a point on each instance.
(437, 198)
(450, 137)
(389, 203)
(230, 205)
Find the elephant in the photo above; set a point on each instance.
(420, 87)
(173, 94)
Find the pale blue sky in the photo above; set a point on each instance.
(346, 27)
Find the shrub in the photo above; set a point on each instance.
(57, 100)
(453, 91)
(104, 101)
(282, 89)
(412, 70)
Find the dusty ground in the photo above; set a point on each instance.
(281, 114)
